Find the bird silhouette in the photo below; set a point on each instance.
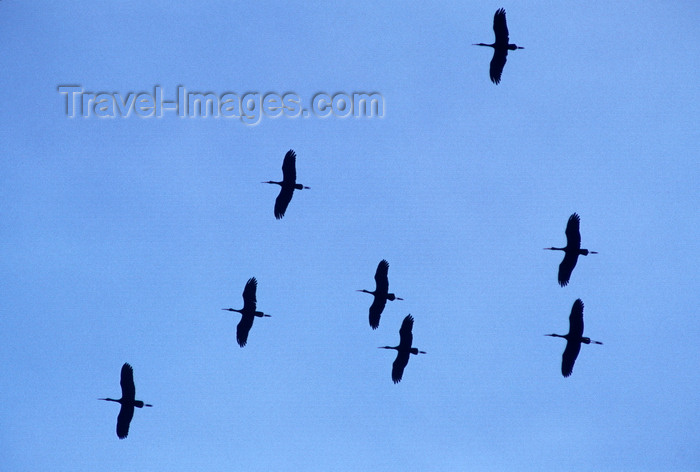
(128, 401)
(404, 349)
(573, 339)
(500, 46)
(288, 184)
(571, 251)
(248, 312)
(381, 293)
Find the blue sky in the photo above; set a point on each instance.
(122, 238)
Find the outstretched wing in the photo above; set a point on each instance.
(500, 28)
(399, 365)
(127, 383)
(573, 244)
(576, 319)
(243, 329)
(381, 276)
(249, 299)
(282, 201)
(569, 357)
(375, 311)
(289, 170)
(567, 267)
(573, 343)
(124, 419)
(405, 334)
(573, 236)
(498, 61)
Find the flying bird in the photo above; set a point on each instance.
(248, 312)
(500, 46)
(573, 339)
(572, 249)
(288, 184)
(128, 401)
(381, 294)
(404, 349)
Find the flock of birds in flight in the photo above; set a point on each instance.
(572, 250)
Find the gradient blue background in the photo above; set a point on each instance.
(122, 239)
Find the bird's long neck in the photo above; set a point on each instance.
(111, 400)
(392, 297)
(585, 252)
(261, 314)
(589, 341)
(558, 336)
(414, 350)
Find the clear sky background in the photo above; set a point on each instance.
(122, 238)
